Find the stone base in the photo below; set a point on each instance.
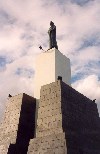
(51, 144)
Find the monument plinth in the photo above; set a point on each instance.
(50, 65)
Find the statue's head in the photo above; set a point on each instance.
(51, 23)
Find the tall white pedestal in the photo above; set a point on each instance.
(50, 65)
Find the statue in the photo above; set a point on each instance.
(52, 36)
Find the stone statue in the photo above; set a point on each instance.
(52, 36)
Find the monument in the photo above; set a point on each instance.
(62, 121)
(52, 36)
(51, 64)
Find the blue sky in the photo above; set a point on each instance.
(23, 27)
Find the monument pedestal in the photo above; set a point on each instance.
(50, 137)
(68, 122)
(50, 65)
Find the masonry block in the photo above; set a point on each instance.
(52, 144)
(18, 125)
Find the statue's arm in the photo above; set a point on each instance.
(49, 31)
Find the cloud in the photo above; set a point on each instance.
(90, 87)
(86, 61)
(24, 26)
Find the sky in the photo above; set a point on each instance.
(23, 28)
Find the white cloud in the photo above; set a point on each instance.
(90, 87)
(85, 61)
(10, 38)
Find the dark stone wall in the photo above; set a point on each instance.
(26, 127)
(81, 122)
